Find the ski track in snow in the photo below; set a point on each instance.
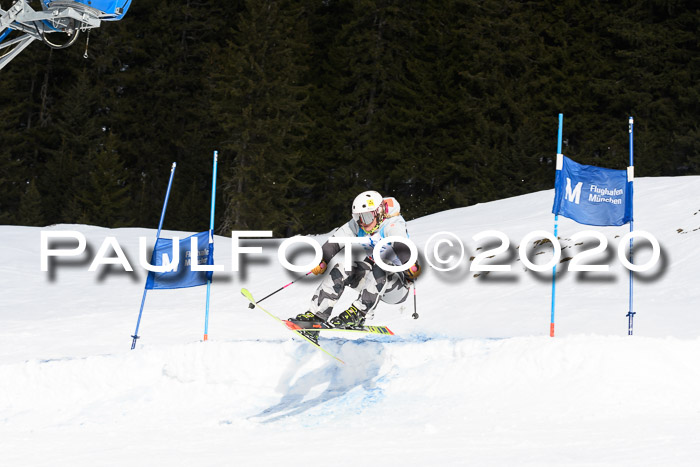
(476, 380)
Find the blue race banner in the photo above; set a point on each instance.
(592, 195)
(184, 276)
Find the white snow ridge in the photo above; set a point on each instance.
(476, 380)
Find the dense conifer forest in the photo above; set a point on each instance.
(441, 104)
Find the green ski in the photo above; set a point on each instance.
(249, 296)
(314, 326)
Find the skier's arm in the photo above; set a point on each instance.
(397, 228)
(329, 250)
(403, 252)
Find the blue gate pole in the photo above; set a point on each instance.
(160, 226)
(211, 241)
(630, 313)
(556, 225)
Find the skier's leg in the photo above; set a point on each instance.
(394, 292)
(370, 283)
(371, 289)
(331, 288)
(374, 284)
(396, 289)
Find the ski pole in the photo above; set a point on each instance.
(415, 311)
(278, 290)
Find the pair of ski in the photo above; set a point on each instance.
(297, 326)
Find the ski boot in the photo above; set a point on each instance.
(309, 316)
(349, 319)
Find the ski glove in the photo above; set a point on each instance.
(320, 269)
(413, 272)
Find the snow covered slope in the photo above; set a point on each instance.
(476, 380)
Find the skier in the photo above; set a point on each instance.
(373, 218)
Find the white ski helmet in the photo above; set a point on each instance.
(367, 207)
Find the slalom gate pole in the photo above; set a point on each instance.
(211, 242)
(556, 226)
(279, 290)
(630, 178)
(160, 226)
(415, 309)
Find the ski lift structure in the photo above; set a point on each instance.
(56, 18)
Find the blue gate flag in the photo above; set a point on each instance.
(184, 276)
(592, 195)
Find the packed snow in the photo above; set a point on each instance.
(475, 380)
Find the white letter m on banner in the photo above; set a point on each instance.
(575, 195)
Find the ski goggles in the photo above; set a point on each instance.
(365, 218)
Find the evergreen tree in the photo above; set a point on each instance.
(24, 117)
(104, 197)
(189, 209)
(656, 42)
(261, 101)
(371, 94)
(153, 71)
(440, 103)
(31, 208)
(433, 172)
(8, 190)
(79, 123)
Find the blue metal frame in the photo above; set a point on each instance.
(111, 10)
